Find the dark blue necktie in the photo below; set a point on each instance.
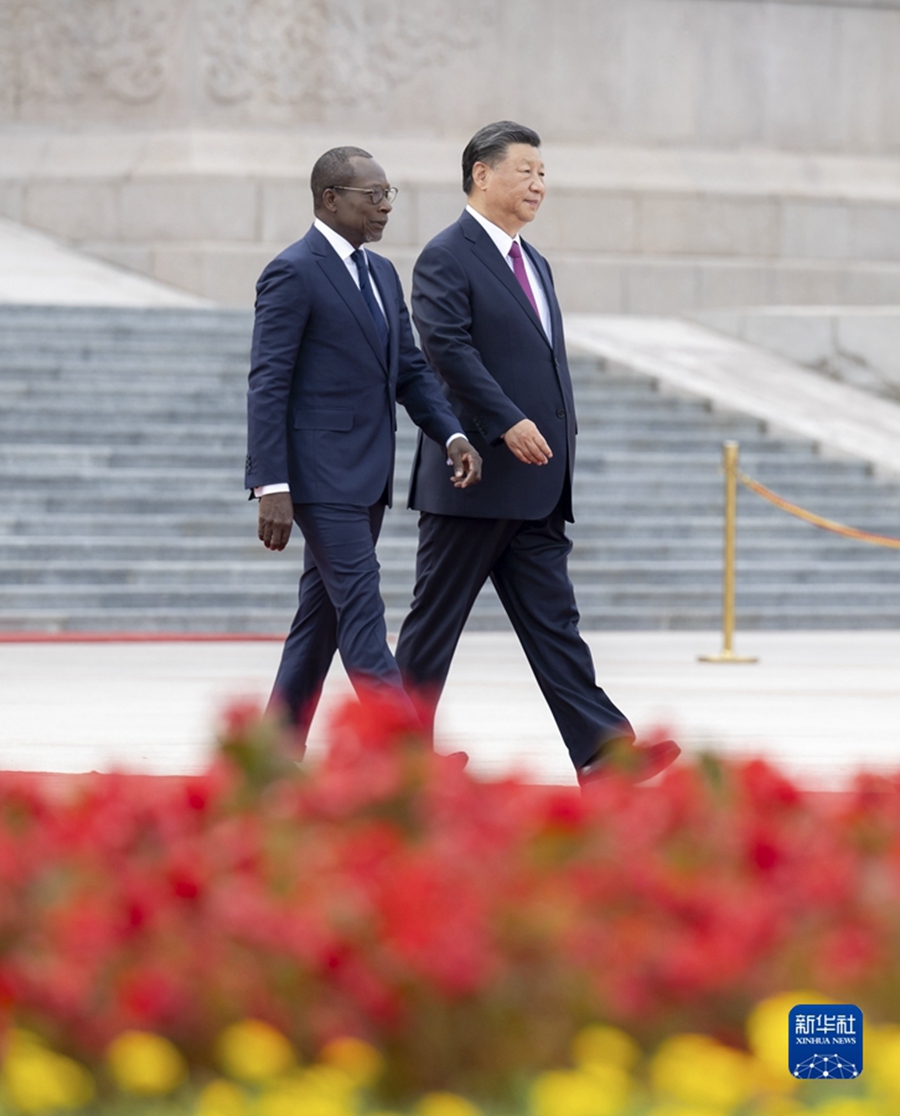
(365, 286)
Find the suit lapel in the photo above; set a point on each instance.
(486, 251)
(336, 271)
(540, 266)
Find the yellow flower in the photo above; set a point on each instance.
(362, 1063)
(318, 1091)
(695, 1069)
(36, 1079)
(767, 1030)
(850, 1106)
(445, 1104)
(882, 1059)
(684, 1110)
(599, 1090)
(146, 1064)
(328, 1081)
(222, 1098)
(254, 1051)
(778, 1106)
(601, 1043)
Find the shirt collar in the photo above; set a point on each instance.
(502, 239)
(343, 247)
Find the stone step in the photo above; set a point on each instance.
(226, 435)
(688, 471)
(32, 424)
(134, 401)
(159, 438)
(218, 509)
(776, 546)
(94, 321)
(829, 597)
(121, 512)
(85, 373)
(145, 400)
(217, 334)
(68, 461)
(95, 354)
(664, 574)
(765, 526)
(72, 356)
(693, 467)
(272, 621)
(602, 478)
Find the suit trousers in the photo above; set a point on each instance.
(340, 608)
(527, 561)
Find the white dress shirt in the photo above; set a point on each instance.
(344, 250)
(504, 242)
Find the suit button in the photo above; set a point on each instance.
(560, 413)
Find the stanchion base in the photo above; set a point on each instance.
(727, 657)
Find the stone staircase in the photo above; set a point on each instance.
(121, 454)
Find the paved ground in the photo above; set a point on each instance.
(823, 704)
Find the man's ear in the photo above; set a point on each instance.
(329, 198)
(480, 172)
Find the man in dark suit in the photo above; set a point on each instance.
(332, 352)
(490, 325)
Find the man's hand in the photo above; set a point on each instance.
(466, 463)
(527, 443)
(276, 517)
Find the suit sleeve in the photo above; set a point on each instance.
(418, 389)
(282, 309)
(442, 309)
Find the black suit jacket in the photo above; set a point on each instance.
(322, 393)
(483, 338)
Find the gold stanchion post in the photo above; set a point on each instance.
(730, 468)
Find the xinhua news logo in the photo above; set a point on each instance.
(825, 1042)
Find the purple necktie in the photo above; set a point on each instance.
(515, 254)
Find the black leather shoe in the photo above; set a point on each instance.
(633, 761)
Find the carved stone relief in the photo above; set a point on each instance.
(289, 60)
(67, 52)
(315, 53)
(304, 54)
(7, 62)
(267, 48)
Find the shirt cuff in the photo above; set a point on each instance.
(268, 489)
(452, 438)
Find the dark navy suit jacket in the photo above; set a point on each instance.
(322, 394)
(483, 338)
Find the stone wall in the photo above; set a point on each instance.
(628, 230)
(859, 345)
(795, 75)
(701, 153)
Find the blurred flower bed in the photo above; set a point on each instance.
(380, 932)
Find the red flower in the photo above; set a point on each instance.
(385, 892)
